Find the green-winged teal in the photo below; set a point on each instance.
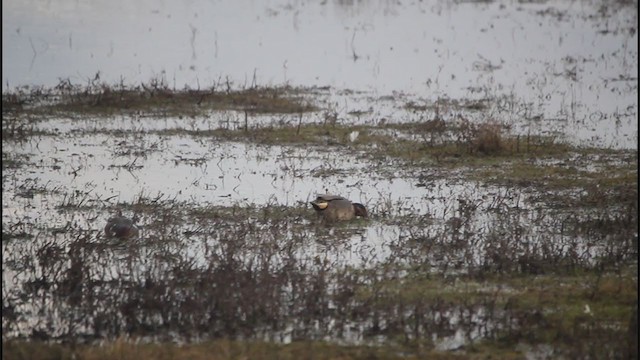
(334, 207)
(121, 227)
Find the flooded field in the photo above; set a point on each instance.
(493, 144)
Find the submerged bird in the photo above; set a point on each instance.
(121, 227)
(334, 207)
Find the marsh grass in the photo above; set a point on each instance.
(13, 161)
(522, 286)
(214, 350)
(19, 128)
(243, 280)
(487, 153)
(154, 97)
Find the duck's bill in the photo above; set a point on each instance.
(319, 205)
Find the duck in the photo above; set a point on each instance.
(335, 207)
(121, 227)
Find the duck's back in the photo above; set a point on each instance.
(329, 197)
(340, 209)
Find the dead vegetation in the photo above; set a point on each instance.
(155, 97)
(196, 272)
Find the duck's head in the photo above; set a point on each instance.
(319, 204)
(322, 201)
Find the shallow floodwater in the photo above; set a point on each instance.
(566, 64)
(58, 201)
(109, 167)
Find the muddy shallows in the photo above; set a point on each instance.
(480, 240)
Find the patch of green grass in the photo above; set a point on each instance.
(548, 309)
(370, 139)
(307, 134)
(560, 176)
(211, 350)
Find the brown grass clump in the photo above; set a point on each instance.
(487, 139)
